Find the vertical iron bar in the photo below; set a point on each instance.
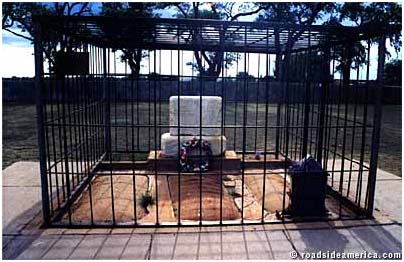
(53, 131)
(267, 69)
(245, 86)
(222, 156)
(133, 154)
(40, 122)
(307, 100)
(235, 108)
(346, 86)
(155, 124)
(376, 126)
(364, 129)
(178, 121)
(107, 99)
(84, 130)
(323, 96)
(257, 85)
(353, 95)
(284, 78)
(65, 143)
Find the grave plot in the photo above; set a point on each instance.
(193, 178)
(222, 199)
(147, 148)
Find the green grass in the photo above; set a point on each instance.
(20, 136)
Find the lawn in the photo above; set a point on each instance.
(20, 139)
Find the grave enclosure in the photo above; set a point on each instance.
(118, 162)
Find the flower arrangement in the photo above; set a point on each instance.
(187, 165)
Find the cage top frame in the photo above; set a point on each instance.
(205, 34)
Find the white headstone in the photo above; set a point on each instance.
(189, 115)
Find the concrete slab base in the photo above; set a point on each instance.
(23, 239)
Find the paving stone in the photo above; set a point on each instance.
(162, 246)
(137, 247)
(257, 245)
(19, 209)
(88, 247)
(63, 247)
(379, 239)
(113, 247)
(39, 247)
(20, 174)
(103, 231)
(186, 246)
(234, 246)
(62, 243)
(279, 245)
(7, 240)
(210, 246)
(325, 240)
(17, 246)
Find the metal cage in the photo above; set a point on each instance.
(100, 129)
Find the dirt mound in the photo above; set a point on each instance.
(101, 200)
(190, 200)
(274, 184)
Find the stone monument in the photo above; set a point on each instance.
(185, 122)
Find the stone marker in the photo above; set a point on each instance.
(190, 115)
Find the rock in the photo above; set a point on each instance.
(169, 144)
(190, 115)
(238, 191)
(229, 183)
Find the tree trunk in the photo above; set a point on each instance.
(134, 58)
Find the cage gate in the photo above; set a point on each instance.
(130, 136)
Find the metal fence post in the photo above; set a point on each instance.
(39, 86)
(376, 125)
(107, 103)
(307, 102)
(323, 96)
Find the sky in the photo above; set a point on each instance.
(17, 58)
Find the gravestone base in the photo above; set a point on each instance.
(228, 163)
(169, 144)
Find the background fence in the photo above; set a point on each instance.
(22, 90)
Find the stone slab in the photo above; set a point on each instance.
(169, 144)
(189, 115)
(88, 247)
(228, 162)
(113, 247)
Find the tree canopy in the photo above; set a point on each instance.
(135, 10)
(17, 19)
(210, 64)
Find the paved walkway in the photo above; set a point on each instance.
(22, 238)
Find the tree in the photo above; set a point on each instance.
(359, 14)
(210, 64)
(367, 15)
(392, 73)
(18, 17)
(292, 13)
(374, 14)
(130, 10)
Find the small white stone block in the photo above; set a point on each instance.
(190, 115)
(169, 144)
